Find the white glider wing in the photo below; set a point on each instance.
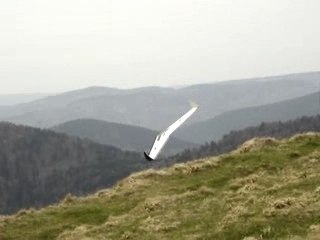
(163, 137)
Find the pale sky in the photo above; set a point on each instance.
(59, 45)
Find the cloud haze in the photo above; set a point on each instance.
(56, 45)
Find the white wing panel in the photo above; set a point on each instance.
(158, 144)
(181, 120)
(163, 137)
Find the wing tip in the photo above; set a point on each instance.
(193, 104)
(147, 157)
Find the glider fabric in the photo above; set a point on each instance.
(163, 137)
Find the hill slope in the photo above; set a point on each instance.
(155, 107)
(234, 139)
(266, 189)
(215, 128)
(119, 135)
(38, 167)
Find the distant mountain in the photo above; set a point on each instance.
(156, 108)
(55, 102)
(38, 167)
(215, 128)
(120, 135)
(13, 99)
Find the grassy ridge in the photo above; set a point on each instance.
(266, 189)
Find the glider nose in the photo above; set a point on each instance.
(147, 157)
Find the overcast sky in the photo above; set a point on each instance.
(59, 45)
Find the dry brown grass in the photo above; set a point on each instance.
(256, 144)
(248, 184)
(159, 223)
(77, 233)
(307, 202)
(149, 173)
(135, 182)
(250, 238)
(4, 220)
(232, 216)
(302, 136)
(195, 166)
(69, 199)
(114, 221)
(314, 232)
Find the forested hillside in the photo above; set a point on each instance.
(39, 167)
(123, 136)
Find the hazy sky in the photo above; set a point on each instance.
(58, 45)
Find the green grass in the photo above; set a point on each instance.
(267, 189)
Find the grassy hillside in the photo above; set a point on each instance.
(119, 135)
(215, 128)
(234, 139)
(266, 189)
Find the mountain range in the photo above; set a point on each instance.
(214, 129)
(14, 99)
(155, 107)
(121, 135)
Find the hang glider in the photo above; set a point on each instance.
(163, 137)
